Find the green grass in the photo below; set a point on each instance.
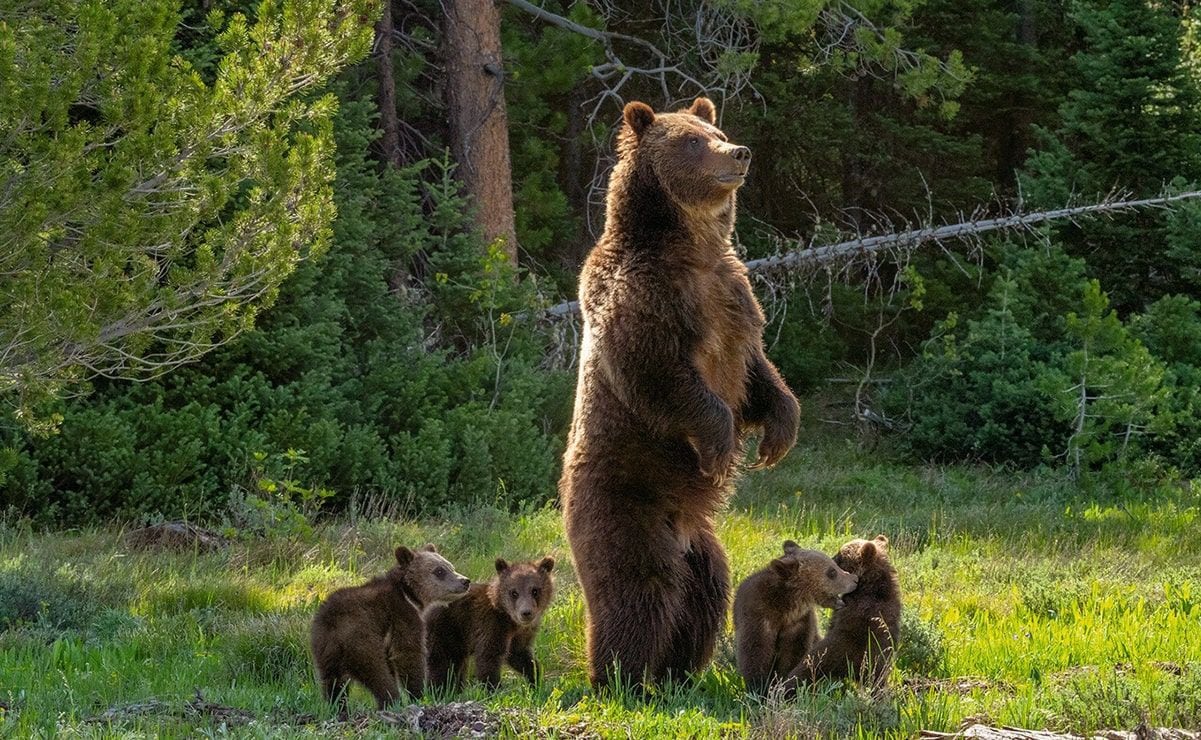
(1030, 601)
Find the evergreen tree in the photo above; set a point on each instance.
(145, 214)
(1132, 123)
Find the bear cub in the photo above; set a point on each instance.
(775, 612)
(862, 638)
(494, 624)
(375, 634)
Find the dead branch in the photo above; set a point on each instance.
(905, 242)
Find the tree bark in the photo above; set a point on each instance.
(479, 124)
(386, 93)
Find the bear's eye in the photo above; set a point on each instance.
(694, 142)
(439, 572)
(534, 592)
(513, 594)
(831, 573)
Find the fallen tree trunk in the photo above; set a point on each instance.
(907, 241)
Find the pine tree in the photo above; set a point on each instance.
(146, 213)
(1132, 123)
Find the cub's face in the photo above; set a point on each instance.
(861, 556)
(690, 156)
(524, 590)
(431, 577)
(816, 573)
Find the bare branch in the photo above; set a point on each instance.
(807, 257)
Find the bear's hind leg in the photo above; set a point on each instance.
(334, 687)
(626, 635)
(700, 617)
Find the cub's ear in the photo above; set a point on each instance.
(867, 553)
(790, 547)
(881, 542)
(501, 565)
(429, 547)
(404, 556)
(547, 565)
(638, 116)
(704, 109)
(782, 567)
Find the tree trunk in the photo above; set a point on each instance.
(386, 95)
(479, 125)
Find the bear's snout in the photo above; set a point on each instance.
(742, 154)
(464, 584)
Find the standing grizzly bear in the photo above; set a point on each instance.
(775, 612)
(863, 634)
(672, 375)
(375, 634)
(495, 623)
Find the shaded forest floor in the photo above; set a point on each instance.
(1031, 601)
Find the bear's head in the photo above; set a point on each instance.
(685, 152)
(815, 574)
(865, 558)
(523, 590)
(429, 577)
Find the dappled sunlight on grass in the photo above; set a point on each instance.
(1031, 601)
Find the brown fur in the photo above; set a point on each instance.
(863, 634)
(775, 612)
(374, 633)
(494, 624)
(672, 375)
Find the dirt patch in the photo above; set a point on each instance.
(197, 707)
(456, 719)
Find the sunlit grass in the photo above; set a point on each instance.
(1031, 601)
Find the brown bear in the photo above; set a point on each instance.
(375, 633)
(672, 375)
(862, 638)
(494, 624)
(775, 612)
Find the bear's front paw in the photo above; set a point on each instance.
(779, 434)
(717, 451)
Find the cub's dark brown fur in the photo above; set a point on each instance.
(863, 634)
(775, 612)
(374, 633)
(494, 624)
(672, 376)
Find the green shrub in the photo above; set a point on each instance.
(423, 396)
(58, 600)
(920, 650)
(1047, 372)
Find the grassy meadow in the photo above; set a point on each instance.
(1030, 601)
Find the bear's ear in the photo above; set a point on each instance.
(790, 547)
(429, 547)
(501, 565)
(782, 567)
(881, 542)
(867, 553)
(704, 109)
(404, 556)
(547, 565)
(638, 116)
